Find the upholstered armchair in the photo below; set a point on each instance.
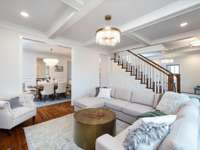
(61, 88)
(10, 118)
(48, 89)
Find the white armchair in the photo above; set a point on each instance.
(61, 88)
(10, 118)
(48, 89)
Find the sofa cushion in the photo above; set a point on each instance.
(89, 102)
(171, 102)
(145, 97)
(123, 94)
(184, 131)
(20, 111)
(135, 109)
(116, 104)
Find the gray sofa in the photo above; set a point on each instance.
(126, 104)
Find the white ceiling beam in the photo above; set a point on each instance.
(60, 24)
(172, 10)
(84, 11)
(138, 38)
(177, 37)
(70, 18)
(130, 47)
(150, 49)
(178, 53)
(75, 4)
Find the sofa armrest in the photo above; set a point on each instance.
(4, 104)
(107, 142)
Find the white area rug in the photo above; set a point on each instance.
(56, 134)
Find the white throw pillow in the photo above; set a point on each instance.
(171, 102)
(104, 93)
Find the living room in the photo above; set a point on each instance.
(127, 68)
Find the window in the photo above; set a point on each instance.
(174, 68)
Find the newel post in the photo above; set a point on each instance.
(170, 82)
(178, 82)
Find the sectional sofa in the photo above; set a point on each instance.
(126, 104)
(184, 132)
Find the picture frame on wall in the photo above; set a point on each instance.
(59, 68)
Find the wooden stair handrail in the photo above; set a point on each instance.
(163, 70)
(155, 64)
(155, 85)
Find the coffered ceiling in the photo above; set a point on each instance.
(143, 22)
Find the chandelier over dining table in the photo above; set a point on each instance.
(108, 35)
(51, 62)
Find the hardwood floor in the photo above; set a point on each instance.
(17, 140)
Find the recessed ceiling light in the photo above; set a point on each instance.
(183, 24)
(195, 43)
(24, 14)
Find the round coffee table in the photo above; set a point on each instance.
(92, 123)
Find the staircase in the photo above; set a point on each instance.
(149, 73)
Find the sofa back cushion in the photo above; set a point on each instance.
(123, 94)
(171, 102)
(184, 132)
(145, 97)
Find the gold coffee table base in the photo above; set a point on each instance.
(92, 123)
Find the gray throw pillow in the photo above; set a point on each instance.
(147, 136)
(14, 102)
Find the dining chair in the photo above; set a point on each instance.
(61, 89)
(48, 90)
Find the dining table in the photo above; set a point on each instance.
(39, 87)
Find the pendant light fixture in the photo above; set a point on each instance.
(51, 62)
(108, 35)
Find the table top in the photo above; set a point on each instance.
(94, 116)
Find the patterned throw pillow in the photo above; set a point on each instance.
(147, 136)
(104, 93)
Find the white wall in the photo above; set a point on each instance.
(104, 70)
(85, 66)
(85, 71)
(30, 66)
(190, 71)
(10, 63)
(120, 79)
